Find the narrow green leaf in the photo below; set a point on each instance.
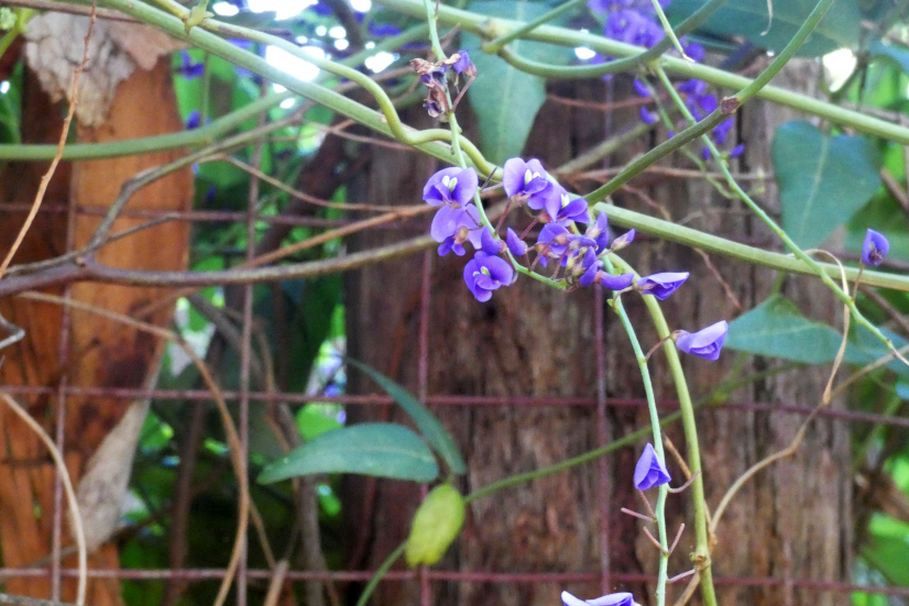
(823, 180)
(749, 18)
(428, 424)
(503, 99)
(384, 450)
(777, 329)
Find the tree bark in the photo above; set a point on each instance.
(791, 522)
(101, 353)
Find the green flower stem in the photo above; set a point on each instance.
(204, 135)
(484, 26)
(610, 67)
(663, 490)
(673, 232)
(779, 61)
(628, 439)
(701, 555)
(494, 46)
(380, 572)
(667, 29)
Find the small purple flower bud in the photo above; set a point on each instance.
(737, 151)
(705, 343)
(454, 186)
(432, 107)
(598, 231)
(612, 599)
(624, 240)
(649, 471)
(874, 248)
(661, 285)
(485, 273)
(641, 88)
(590, 275)
(193, 120)
(490, 244)
(648, 117)
(516, 245)
(188, 69)
(613, 282)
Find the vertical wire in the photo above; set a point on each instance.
(423, 388)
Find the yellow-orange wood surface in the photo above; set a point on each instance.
(101, 353)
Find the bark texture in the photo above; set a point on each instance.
(100, 353)
(792, 522)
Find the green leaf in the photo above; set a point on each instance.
(384, 450)
(504, 99)
(823, 180)
(749, 18)
(777, 329)
(428, 424)
(887, 549)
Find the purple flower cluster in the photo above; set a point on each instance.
(635, 22)
(569, 245)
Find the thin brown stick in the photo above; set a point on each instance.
(75, 516)
(279, 572)
(73, 99)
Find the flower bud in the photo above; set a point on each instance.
(435, 526)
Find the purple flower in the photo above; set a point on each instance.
(874, 248)
(528, 181)
(463, 64)
(486, 273)
(453, 186)
(649, 471)
(454, 225)
(661, 285)
(705, 343)
(612, 599)
(188, 69)
(516, 245)
(554, 239)
(562, 207)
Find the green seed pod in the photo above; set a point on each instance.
(435, 525)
